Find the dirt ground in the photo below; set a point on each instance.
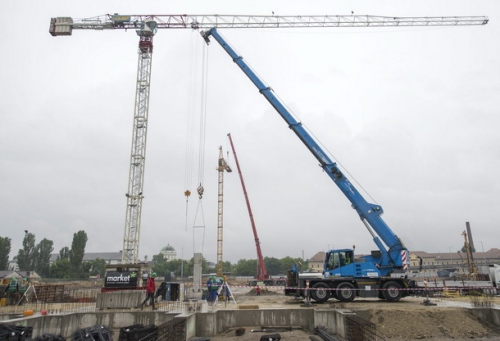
(409, 319)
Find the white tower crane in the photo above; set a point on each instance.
(222, 166)
(147, 25)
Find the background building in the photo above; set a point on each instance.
(169, 252)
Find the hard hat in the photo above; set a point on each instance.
(153, 274)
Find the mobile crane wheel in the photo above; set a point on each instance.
(346, 292)
(320, 292)
(392, 291)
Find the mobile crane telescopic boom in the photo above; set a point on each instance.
(396, 255)
(343, 277)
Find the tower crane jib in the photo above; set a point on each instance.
(65, 25)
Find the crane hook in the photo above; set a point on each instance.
(200, 190)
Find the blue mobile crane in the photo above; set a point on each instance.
(343, 278)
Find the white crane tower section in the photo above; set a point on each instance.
(146, 26)
(130, 251)
(221, 167)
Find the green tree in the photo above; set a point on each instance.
(63, 253)
(173, 266)
(76, 254)
(287, 262)
(5, 245)
(163, 267)
(159, 264)
(227, 267)
(43, 251)
(26, 257)
(245, 267)
(95, 267)
(273, 266)
(60, 269)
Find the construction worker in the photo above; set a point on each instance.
(12, 292)
(150, 291)
(213, 289)
(209, 291)
(22, 291)
(162, 291)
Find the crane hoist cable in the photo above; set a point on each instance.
(200, 225)
(190, 122)
(195, 120)
(203, 116)
(187, 193)
(199, 219)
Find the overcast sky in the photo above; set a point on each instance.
(411, 113)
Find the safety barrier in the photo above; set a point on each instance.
(85, 301)
(78, 300)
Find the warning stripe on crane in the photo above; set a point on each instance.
(404, 259)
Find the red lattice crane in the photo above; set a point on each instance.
(261, 268)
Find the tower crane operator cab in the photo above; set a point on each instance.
(148, 28)
(146, 32)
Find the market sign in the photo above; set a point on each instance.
(120, 279)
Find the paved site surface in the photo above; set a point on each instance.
(449, 319)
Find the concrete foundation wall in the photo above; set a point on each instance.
(490, 315)
(213, 323)
(123, 299)
(207, 324)
(65, 325)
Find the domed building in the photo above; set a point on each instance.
(169, 252)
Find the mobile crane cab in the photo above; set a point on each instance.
(338, 262)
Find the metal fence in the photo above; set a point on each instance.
(56, 298)
(359, 329)
(173, 330)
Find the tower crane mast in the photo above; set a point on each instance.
(222, 166)
(146, 27)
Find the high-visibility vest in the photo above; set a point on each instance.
(12, 285)
(22, 289)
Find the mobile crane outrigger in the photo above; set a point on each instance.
(342, 277)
